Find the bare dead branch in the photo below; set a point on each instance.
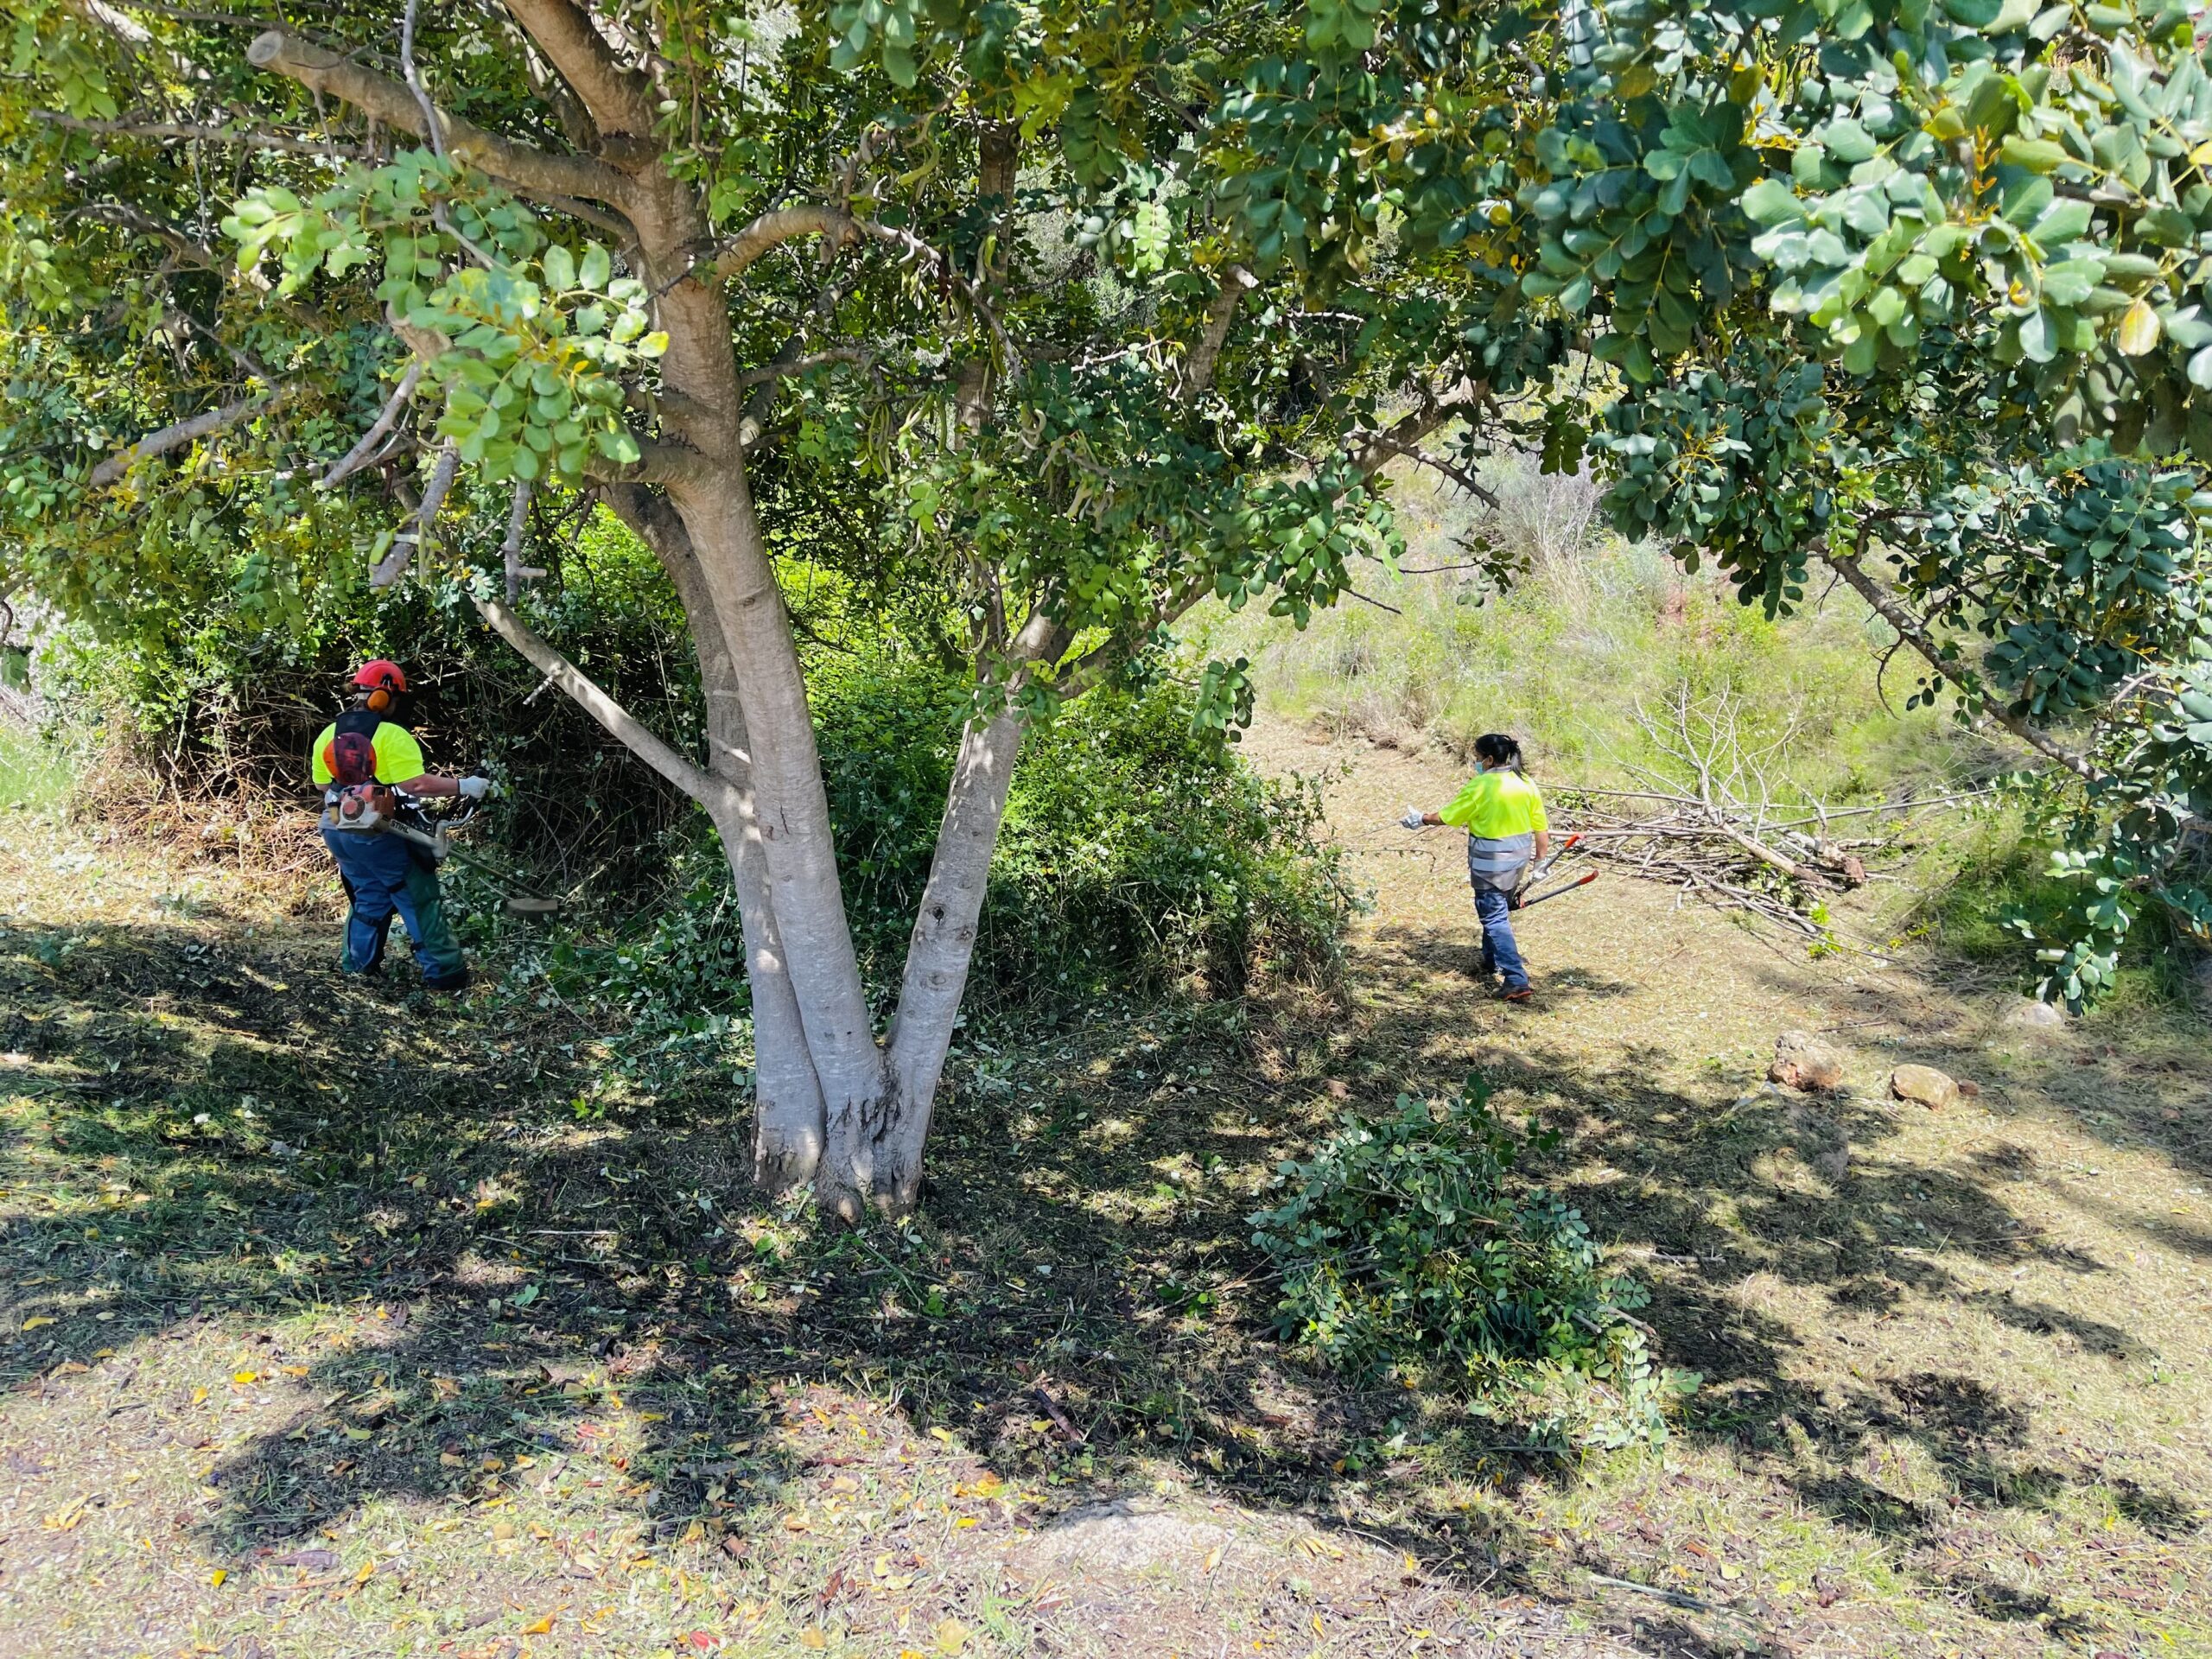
(1912, 628)
(419, 526)
(511, 549)
(414, 80)
(532, 171)
(617, 721)
(176, 436)
(358, 455)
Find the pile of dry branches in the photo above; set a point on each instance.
(1718, 815)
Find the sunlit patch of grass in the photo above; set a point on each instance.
(34, 775)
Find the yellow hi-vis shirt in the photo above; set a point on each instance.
(399, 757)
(1497, 805)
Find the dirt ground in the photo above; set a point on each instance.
(330, 1325)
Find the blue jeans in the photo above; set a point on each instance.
(1500, 954)
(383, 876)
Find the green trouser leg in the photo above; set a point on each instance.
(436, 947)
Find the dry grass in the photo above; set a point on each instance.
(1957, 1396)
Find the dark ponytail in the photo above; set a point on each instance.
(1496, 749)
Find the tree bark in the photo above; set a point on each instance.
(787, 1118)
(874, 1160)
(833, 1102)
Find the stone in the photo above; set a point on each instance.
(2032, 1013)
(1969, 1089)
(1803, 1061)
(1121, 1536)
(1924, 1085)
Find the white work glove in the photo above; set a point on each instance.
(475, 789)
(1413, 818)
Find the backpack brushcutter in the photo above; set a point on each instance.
(380, 809)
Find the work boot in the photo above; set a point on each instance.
(456, 981)
(1517, 994)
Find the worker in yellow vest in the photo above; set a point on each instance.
(1507, 830)
(366, 753)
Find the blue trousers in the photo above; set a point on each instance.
(383, 876)
(1500, 954)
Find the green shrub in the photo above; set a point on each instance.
(1137, 851)
(1137, 854)
(1400, 1247)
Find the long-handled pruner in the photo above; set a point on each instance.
(1559, 893)
(1526, 896)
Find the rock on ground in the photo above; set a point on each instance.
(1925, 1085)
(1803, 1061)
(2029, 1014)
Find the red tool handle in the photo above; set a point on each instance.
(1530, 904)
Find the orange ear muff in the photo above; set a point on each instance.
(379, 700)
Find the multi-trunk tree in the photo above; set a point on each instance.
(334, 286)
(1096, 312)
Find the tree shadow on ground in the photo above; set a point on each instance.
(220, 1136)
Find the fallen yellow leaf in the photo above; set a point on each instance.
(217, 1577)
(1213, 1557)
(362, 1577)
(543, 1627)
(1731, 1572)
(965, 1523)
(244, 1377)
(951, 1635)
(36, 1321)
(199, 1395)
(812, 1636)
(66, 1517)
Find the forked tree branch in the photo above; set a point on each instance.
(532, 171)
(420, 524)
(360, 454)
(511, 550)
(620, 99)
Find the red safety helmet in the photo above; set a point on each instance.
(382, 680)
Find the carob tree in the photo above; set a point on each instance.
(989, 295)
(1105, 310)
(1917, 292)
